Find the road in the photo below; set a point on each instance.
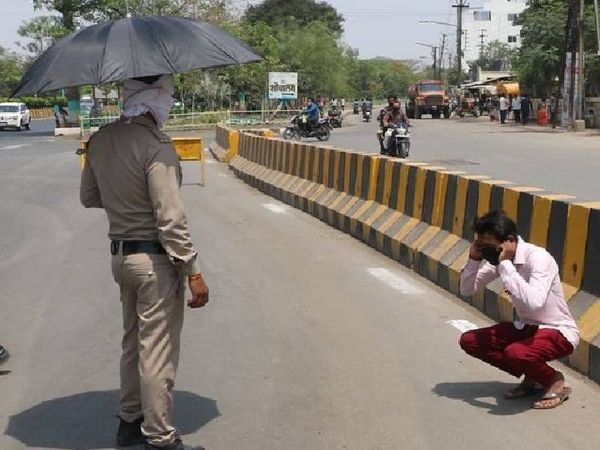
(311, 340)
(566, 163)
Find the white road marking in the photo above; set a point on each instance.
(209, 161)
(12, 147)
(277, 209)
(394, 281)
(462, 325)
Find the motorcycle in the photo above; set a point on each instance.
(335, 118)
(396, 141)
(299, 129)
(367, 116)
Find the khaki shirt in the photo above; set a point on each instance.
(133, 173)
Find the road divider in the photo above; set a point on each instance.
(421, 215)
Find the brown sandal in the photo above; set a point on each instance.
(557, 399)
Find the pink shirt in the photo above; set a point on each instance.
(533, 282)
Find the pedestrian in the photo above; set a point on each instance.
(516, 107)
(503, 102)
(525, 109)
(133, 173)
(545, 330)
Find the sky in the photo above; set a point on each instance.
(386, 28)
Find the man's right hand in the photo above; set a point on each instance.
(474, 252)
(199, 291)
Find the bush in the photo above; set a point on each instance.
(38, 102)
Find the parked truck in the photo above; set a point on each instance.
(428, 97)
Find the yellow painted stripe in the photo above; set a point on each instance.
(318, 192)
(483, 201)
(425, 238)
(505, 308)
(454, 272)
(589, 327)
(346, 187)
(511, 203)
(401, 202)
(419, 193)
(373, 174)
(337, 201)
(325, 201)
(459, 205)
(407, 228)
(387, 181)
(385, 227)
(441, 186)
(376, 215)
(348, 205)
(459, 263)
(362, 209)
(444, 247)
(575, 242)
(337, 156)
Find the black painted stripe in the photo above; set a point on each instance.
(321, 168)
(429, 196)
(342, 171)
(410, 190)
(449, 203)
(395, 185)
(310, 154)
(591, 271)
(353, 170)
(331, 178)
(557, 230)
(470, 209)
(524, 213)
(366, 177)
(496, 198)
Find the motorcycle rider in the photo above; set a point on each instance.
(395, 116)
(313, 113)
(384, 111)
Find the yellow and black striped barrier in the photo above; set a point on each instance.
(421, 216)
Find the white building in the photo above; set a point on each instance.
(490, 20)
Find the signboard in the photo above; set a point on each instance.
(283, 85)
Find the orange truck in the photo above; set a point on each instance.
(428, 97)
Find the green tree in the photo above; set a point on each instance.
(11, 71)
(539, 59)
(303, 12)
(493, 53)
(42, 32)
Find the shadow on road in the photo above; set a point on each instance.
(87, 421)
(479, 394)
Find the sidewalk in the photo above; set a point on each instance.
(532, 127)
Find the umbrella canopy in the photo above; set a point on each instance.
(133, 47)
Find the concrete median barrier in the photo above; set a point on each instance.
(421, 216)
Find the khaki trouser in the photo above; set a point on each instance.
(152, 296)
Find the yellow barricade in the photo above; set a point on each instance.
(187, 148)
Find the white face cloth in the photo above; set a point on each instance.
(156, 98)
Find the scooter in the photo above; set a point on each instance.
(367, 116)
(396, 141)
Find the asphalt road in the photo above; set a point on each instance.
(566, 163)
(311, 340)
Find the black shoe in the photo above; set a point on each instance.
(177, 445)
(130, 433)
(4, 355)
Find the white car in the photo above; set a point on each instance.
(14, 115)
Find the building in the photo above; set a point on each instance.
(490, 20)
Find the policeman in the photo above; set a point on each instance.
(133, 173)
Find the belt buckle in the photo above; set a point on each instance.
(114, 247)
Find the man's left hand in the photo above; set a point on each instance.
(509, 248)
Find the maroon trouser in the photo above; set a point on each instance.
(518, 352)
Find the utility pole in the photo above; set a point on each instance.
(482, 37)
(459, 5)
(581, 87)
(434, 51)
(572, 62)
(442, 49)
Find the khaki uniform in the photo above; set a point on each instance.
(133, 173)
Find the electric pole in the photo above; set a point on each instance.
(442, 49)
(459, 5)
(482, 37)
(434, 51)
(573, 63)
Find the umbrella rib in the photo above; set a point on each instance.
(167, 56)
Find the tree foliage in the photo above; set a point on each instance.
(495, 54)
(42, 32)
(11, 70)
(302, 13)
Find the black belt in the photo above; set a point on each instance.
(131, 247)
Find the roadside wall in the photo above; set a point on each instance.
(421, 216)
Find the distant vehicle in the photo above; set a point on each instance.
(14, 115)
(299, 129)
(428, 97)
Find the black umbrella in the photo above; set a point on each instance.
(131, 48)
